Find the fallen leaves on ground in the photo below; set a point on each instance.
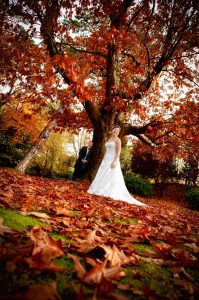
(102, 237)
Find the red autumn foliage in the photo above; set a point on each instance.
(127, 62)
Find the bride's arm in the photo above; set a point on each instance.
(118, 150)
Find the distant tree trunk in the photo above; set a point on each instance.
(22, 166)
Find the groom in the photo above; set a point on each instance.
(82, 161)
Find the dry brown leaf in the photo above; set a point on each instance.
(44, 244)
(162, 248)
(88, 243)
(91, 261)
(120, 297)
(42, 292)
(34, 213)
(158, 261)
(6, 192)
(4, 229)
(38, 264)
(95, 275)
(44, 251)
(79, 269)
(187, 285)
(117, 257)
(64, 212)
(180, 270)
(10, 266)
(192, 246)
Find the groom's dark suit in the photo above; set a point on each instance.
(85, 153)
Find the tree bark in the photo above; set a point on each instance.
(99, 140)
(22, 166)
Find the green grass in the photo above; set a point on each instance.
(76, 212)
(151, 276)
(64, 262)
(140, 247)
(121, 221)
(15, 220)
(133, 221)
(56, 236)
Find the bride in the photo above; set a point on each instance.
(109, 181)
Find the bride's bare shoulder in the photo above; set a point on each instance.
(115, 139)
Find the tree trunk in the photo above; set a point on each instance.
(104, 118)
(100, 136)
(22, 166)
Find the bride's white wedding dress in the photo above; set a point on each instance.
(109, 182)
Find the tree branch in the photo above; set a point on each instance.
(83, 50)
(181, 75)
(93, 111)
(139, 132)
(135, 15)
(145, 38)
(146, 140)
(163, 135)
(133, 58)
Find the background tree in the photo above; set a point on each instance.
(190, 173)
(81, 139)
(54, 157)
(117, 59)
(145, 164)
(19, 128)
(125, 159)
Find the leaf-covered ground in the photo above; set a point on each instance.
(58, 242)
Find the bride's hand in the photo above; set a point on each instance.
(113, 165)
